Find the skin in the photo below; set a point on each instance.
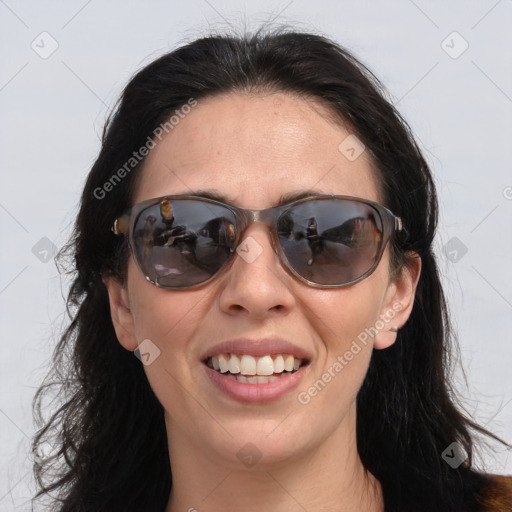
(252, 148)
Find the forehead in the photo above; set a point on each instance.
(251, 149)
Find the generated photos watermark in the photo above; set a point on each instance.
(304, 397)
(249, 249)
(147, 352)
(454, 455)
(249, 455)
(45, 45)
(454, 45)
(143, 151)
(351, 147)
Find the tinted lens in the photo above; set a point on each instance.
(182, 242)
(331, 241)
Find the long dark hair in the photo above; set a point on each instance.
(108, 435)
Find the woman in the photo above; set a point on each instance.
(257, 230)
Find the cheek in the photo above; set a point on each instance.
(168, 318)
(343, 321)
(341, 316)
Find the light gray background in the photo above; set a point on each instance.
(53, 110)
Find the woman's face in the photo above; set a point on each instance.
(251, 149)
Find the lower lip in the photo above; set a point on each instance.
(245, 392)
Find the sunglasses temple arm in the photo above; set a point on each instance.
(398, 226)
(120, 226)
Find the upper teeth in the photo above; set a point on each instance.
(249, 365)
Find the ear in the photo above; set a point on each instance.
(398, 303)
(122, 317)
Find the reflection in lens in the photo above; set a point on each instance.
(330, 241)
(183, 243)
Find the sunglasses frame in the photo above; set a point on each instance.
(125, 224)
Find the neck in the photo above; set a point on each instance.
(327, 477)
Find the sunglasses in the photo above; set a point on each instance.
(181, 242)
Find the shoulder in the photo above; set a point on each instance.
(496, 494)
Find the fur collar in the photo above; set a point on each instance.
(497, 495)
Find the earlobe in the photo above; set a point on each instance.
(399, 303)
(385, 337)
(121, 313)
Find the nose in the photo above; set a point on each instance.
(256, 284)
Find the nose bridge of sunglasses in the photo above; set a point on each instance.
(249, 217)
(262, 221)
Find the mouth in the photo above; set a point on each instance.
(249, 369)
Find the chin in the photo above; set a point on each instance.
(263, 443)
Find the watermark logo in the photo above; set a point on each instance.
(249, 250)
(45, 45)
(454, 455)
(454, 45)
(454, 250)
(44, 250)
(147, 352)
(351, 147)
(249, 455)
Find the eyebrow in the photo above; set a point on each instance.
(287, 197)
